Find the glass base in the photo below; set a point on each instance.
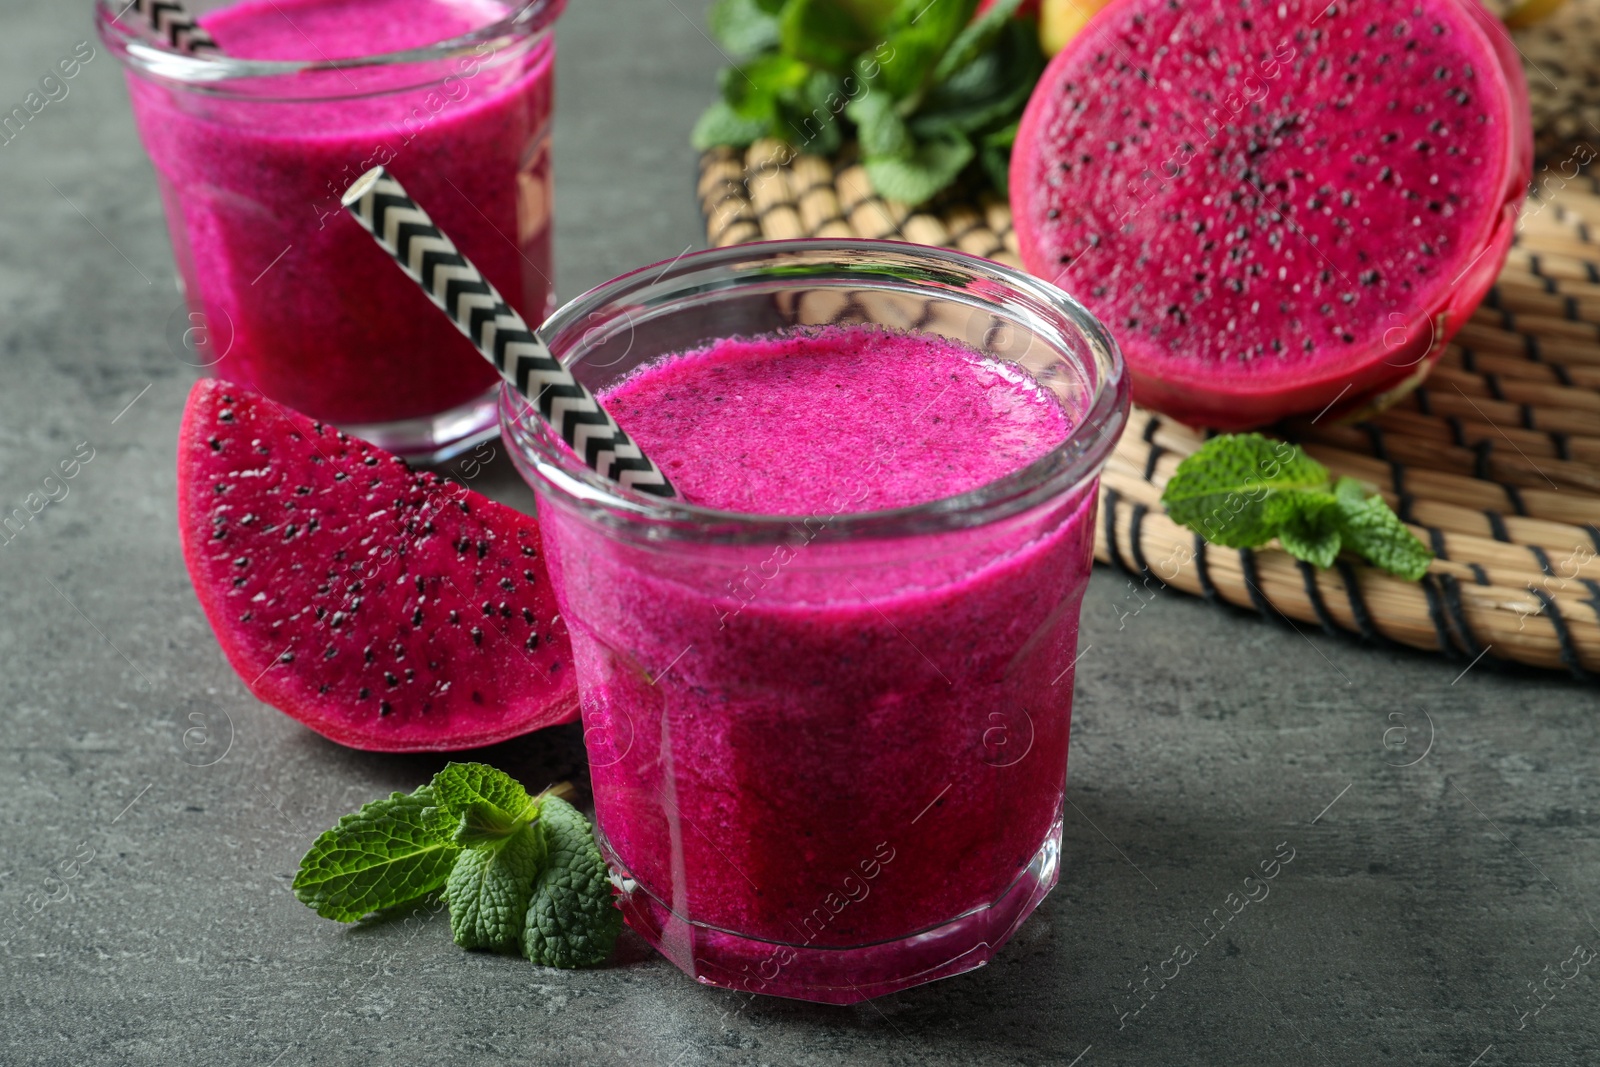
(436, 438)
(840, 975)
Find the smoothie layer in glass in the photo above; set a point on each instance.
(828, 744)
(318, 315)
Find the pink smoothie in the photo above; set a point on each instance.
(320, 317)
(827, 745)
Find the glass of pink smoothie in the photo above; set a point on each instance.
(252, 149)
(826, 694)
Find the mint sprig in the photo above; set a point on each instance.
(1376, 534)
(390, 852)
(931, 93)
(571, 921)
(506, 862)
(1243, 490)
(488, 805)
(489, 889)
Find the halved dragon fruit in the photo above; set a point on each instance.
(386, 609)
(1279, 207)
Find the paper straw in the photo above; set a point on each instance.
(461, 291)
(170, 20)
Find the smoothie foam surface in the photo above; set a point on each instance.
(866, 417)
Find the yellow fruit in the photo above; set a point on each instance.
(1526, 13)
(1060, 21)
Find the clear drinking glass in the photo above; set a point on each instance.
(287, 294)
(828, 751)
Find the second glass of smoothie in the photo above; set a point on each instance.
(826, 694)
(253, 147)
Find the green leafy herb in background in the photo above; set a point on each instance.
(1243, 490)
(929, 92)
(518, 871)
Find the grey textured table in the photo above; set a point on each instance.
(147, 917)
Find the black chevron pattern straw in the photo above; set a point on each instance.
(423, 251)
(177, 26)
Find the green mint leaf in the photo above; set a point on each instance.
(823, 33)
(1349, 493)
(572, 920)
(489, 887)
(994, 154)
(930, 169)
(488, 796)
(482, 823)
(743, 27)
(1004, 137)
(1375, 533)
(992, 88)
(978, 35)
(390, 852)
(1312, 535)
(882, 132)
(1238, 489)
(752, 89)
(1242, 490)
(873, 15)
(812, 112)
(721, 125)
(918, 36)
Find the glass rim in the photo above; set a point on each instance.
(1058, 472)
(214, 70)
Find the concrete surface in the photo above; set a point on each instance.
(147, 912)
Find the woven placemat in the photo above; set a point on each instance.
(1561, 57)
(1495, 461)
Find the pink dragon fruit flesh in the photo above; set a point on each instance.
(385, 608)
(1279, 207)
